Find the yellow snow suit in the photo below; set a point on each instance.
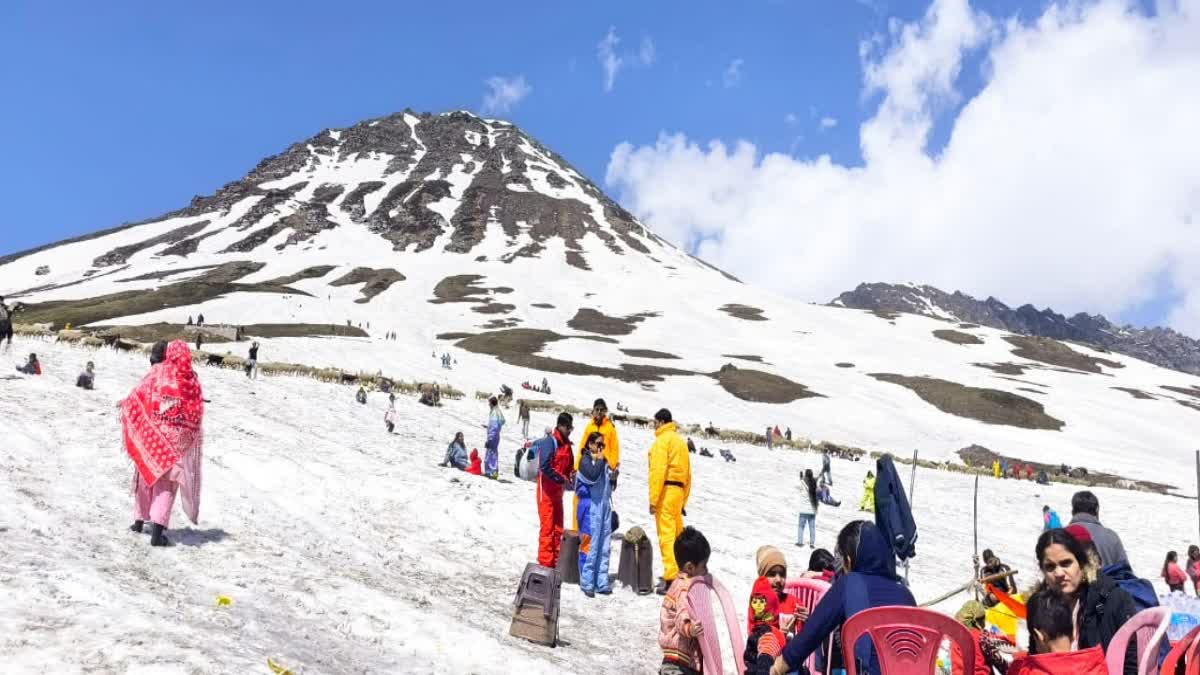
(670, 482)
(868, 498)
(612, 452)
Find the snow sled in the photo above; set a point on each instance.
(699, 600)
(535, 608)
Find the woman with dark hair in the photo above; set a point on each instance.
(595, 477)
(1102, 606)
(1171, 573)
(868, 580)
(1193, 566)
(808, 509)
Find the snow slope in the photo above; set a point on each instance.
(347, 550)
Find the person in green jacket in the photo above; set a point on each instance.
(868, 498)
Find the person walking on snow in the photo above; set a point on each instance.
(601, 423)
(868, 498)
(252, 362)
(826, 472)
(1050, 520)
(6, 319)
(1171, 573)
(770, 439)
(598, 475)
(523, 418)
(670, 483)
(1085, 511)
(491, 457)
(554, 475)
(162, 424)
(808, 509)
(391, 416)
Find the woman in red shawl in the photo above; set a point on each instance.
(161, 420)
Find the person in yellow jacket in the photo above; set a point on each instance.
(868, 498)
(996, 468)
(601, 423)
(670, 481)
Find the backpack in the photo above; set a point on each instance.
(893, 516)
(1141, 590)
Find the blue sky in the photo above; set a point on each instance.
(121, 111)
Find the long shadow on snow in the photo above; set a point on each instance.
(190, 537)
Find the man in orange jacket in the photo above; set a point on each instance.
(599, 422)
(555, 473)
(670, 481)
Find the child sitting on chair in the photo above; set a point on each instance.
(678, 632)
(1051, 633)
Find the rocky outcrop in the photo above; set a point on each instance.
(1160, 346)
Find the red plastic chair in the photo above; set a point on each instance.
(1150, 626)
(808, 592)
(906, 639)
(1178, 653)
(1192, 657)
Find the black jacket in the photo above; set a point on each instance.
(1104, 609)
(893, 516)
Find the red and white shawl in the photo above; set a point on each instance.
(161, 421)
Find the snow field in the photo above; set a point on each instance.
(346, 549)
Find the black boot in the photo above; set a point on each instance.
(157, 538)
(136, 526)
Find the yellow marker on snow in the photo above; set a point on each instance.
(224, 601)
(276, 668)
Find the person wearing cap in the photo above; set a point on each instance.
(599, 422)
(670, 483)
(1085, 511)
(555, 474)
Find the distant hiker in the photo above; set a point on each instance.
(670, 483)
(437, 394)
(87, 379)
(808, 509)
(770, 439)
(162, 421)
(1015, 467)
(199, 340)
(523, 418)
(1085, 510)
(868, 499)
(1050, 519)
(778, 435)
(599, 422)
(545, 386)
(31, 367)
(491, 462)
(679, 632)
(826, 471)
(996, 470)
(1171, 573)
(1028, 472)
(1004, 468)
(252, 362)
(788, 434)
(391, 416)
(596, 477)
(473, 467)
(691, 446)
(361, 395)
(200, 320)
(554, 474)
(456, 453)
(6, 319)
(190, 323)
(1042, 478)
(1193, 567)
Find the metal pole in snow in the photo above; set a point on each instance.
(975, 518)
(912, 482)
(1198, 480)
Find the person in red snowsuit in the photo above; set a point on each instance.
(476, 465)
(556, 472)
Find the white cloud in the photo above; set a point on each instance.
(790, 119)
(733, 73)
(612, 61)
(503, 93)
(827, 123)
(647, 53)
(1071, 180)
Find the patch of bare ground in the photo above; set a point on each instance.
(495, 324)
(153, 332)
(453, 336)
(1032, 384)
(217, 282)
(521, 347)
(542, 305)
(885, 314)
(980, 457)
(761, 387)
(957, 337)
(1055, 353)
(1032, 391)
(1003, 368)
(374, 281)
(744, 312)
(968, 326)
(844, 364)
(156, 276)
(648, 354)
(1188, 404)
(282, 330)
(990, 406)
(121, 254)
(469, 288)
(575, 259)
(593, 321)
(745, 357)
(1136, 393)
(315, 272)
(1194, 391)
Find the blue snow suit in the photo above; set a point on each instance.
(491, 456)
(593, 568)
(583, 512)
(871, 583)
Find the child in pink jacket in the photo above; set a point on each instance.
(679, 632)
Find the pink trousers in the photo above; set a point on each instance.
(154, 502)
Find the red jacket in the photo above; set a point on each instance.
(556, 468)
(476, 466)
(1082, 662)
(956, 660)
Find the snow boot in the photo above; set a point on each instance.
(136, 526)
(157, 538)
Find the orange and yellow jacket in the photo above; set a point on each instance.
(612, 449)
(669, 461)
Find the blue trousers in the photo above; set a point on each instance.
(593, 574)
(583, 517)
(809, 519)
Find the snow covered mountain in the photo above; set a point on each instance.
(1160, 346)
(466, 235)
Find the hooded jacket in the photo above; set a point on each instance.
(892, 513)
(1082, 662)
(871, 583)
(1108, 543)
(475, 467)
(668, 462)
(612, 447)
(764, 640)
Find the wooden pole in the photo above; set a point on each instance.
(1198, 480)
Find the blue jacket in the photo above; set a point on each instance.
(872, 583)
